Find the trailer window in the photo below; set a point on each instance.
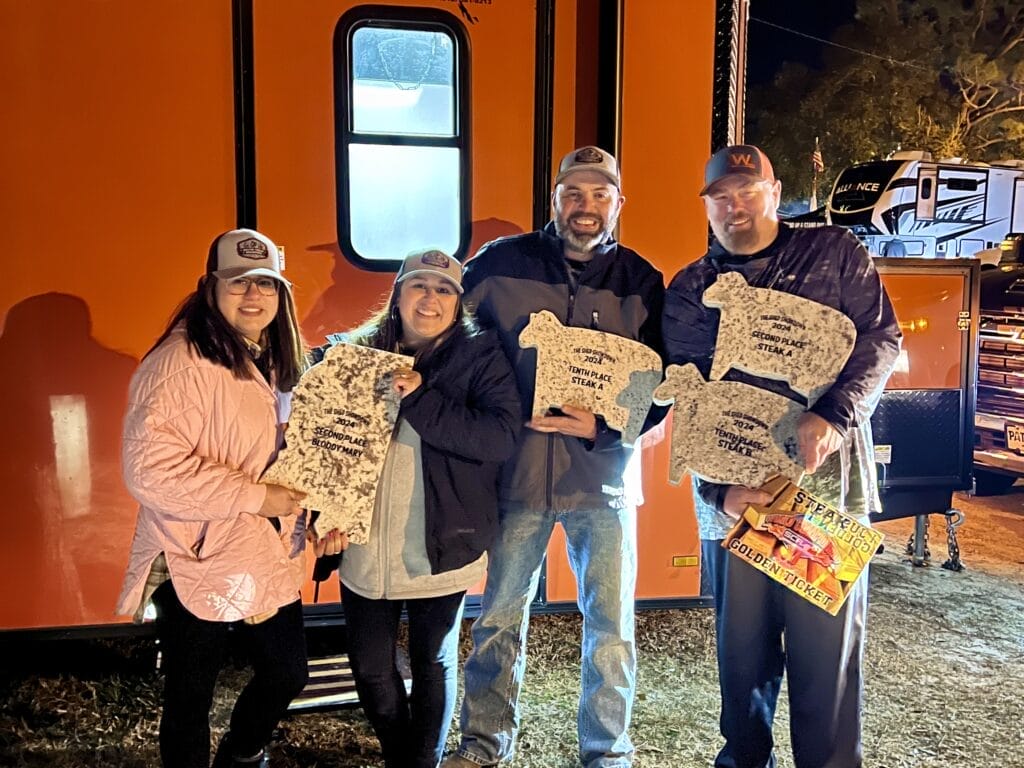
(401, 134)
(967, 185)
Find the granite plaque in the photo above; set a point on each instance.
(610, 375)
(727, 431)
(778, 336)
(343, 414)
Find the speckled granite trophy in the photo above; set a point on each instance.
(607, 374)
(736, 433)
(727, 431)
(343, 413)
(778, 336)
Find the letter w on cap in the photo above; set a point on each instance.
(746, 160)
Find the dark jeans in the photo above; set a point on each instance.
(412, 730)
(821, 655)
(192, 650)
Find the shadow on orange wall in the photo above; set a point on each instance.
(68, 520)
(349, 300)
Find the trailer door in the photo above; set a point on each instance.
(379, 129)
(927, 191)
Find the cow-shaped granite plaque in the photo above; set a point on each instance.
(778, 336)
(343, 413)
(607, 374)
(727, 431)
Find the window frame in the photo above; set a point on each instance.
(418, 20)
(958, 174)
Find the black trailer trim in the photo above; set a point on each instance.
(245, 114)
(543, 109)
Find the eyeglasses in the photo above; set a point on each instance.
(239, 286)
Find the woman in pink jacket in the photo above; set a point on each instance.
(214, 548)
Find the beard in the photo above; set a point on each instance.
(743, 241)
(579, 242)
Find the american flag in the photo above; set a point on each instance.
(816, 160)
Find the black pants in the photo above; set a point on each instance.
(193, 650)
(763, 630)
(412, 730)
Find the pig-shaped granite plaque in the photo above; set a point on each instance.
(778, 336)
(607, 374)
(727, 431)
(343, 413)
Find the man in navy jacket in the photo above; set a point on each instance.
(569, 468)
(821, 654)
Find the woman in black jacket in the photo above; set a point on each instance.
(436, 509)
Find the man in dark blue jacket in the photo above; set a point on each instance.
(569, 468)
(821, 654)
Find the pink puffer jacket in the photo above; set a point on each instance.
(195, 441)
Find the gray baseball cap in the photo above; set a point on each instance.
(589, 159)
(434, 262)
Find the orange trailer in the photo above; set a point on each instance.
(346, 131)
(138, 131)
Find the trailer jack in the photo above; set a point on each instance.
(917, 544)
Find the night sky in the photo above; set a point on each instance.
(768, 47)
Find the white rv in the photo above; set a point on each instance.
(910, 205)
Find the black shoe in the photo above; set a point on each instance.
(226, 759)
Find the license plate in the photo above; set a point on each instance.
(1015, 437)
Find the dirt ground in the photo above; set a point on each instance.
(945, 671)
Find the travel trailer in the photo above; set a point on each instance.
(910, 205)
(348, 132)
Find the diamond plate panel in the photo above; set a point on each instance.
(923, 428)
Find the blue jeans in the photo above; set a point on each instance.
(411, 731)
(821, 656)
(602, 554)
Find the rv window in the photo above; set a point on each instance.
(926, 189)
(968, 185)
(401, 144)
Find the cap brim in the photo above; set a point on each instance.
(747, 174)
(232, 272)
(415, 272)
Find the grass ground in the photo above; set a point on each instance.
(945, 671)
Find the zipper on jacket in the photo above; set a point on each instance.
(385, 542)
(549, 490)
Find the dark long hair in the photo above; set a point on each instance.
(211, 337)
(383, 330)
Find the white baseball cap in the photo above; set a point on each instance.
(246, 253)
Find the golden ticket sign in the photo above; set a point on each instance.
(804, 544)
